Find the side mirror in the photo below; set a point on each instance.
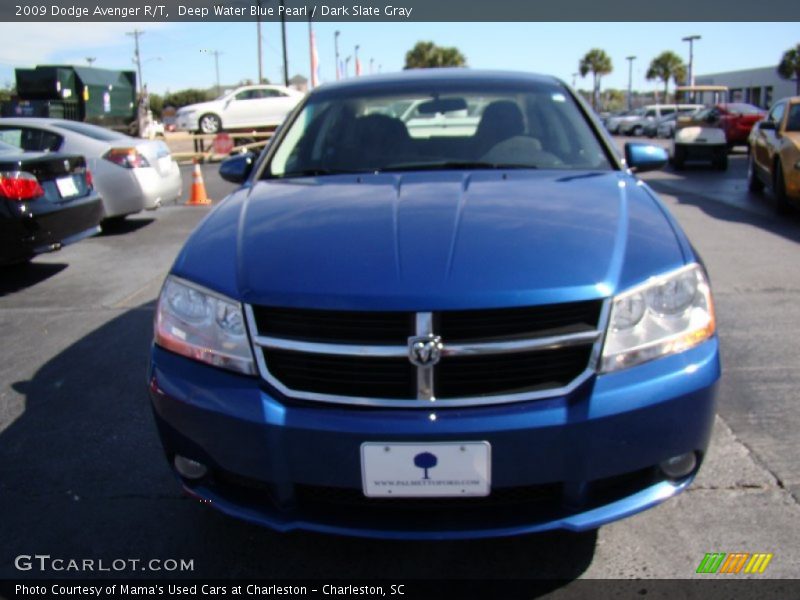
(645, 157)
(771, 125)
(236, 169)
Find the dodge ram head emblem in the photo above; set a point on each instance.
(425, 351)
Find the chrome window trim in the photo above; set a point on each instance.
(472, 349)
(425, 400)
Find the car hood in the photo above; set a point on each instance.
(200, 107)
(434, 240)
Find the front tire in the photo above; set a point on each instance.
(637, 131)
(754, 184)
(779, 189)
(720, 161)
(679, 158)
(210, 124)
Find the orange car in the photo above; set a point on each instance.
(775, 153)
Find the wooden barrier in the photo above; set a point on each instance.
(203, 148)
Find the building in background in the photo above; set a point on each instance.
(761, 87)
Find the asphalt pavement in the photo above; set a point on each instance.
(82, 474)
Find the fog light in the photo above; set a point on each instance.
(679, 466)
(188, 468)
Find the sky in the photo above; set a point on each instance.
(179, 55)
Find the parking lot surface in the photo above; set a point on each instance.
(83, 476)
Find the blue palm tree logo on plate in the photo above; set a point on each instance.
(425, 461)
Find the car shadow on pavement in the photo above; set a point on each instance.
(122, 226)
(787, 225)
(84, 477)
(18, 277)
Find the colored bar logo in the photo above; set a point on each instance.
(734, 563)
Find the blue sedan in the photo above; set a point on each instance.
(403, 332)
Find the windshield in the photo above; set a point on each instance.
(538, 126)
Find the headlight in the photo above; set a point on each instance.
(203, 325)
(665, 315)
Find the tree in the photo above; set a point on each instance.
(185, 97)
(666, 66)
(598, 63)
(427, 55)
(789, 67)
(425, 461)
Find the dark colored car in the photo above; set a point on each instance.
(411, 333)
(46, 201)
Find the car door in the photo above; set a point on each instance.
(766, 141)
(241, 109)
(274, 105)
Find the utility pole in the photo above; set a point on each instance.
(258, 38)
(691, 39)
(336, 50)
(347, 66)
(90, 60)
(216, 54)
(371, 60)
(357, 64)
(630, 60)
(574, 79)
(136, 56)
(283, 36)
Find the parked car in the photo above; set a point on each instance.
(46, 201)
(737, 119)
(441, 337)
(775, 153)
(653, 113)
(244, 107)
(614, 123)
(130, 174)
(651, 127)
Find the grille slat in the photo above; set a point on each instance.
(306, 369)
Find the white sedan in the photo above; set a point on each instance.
(244, 107)
(130, 174)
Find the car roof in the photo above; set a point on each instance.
(414, 77)
(45, 122)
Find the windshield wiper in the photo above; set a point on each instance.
(316, 171)
(454, 164)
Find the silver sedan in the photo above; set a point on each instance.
(130, 174)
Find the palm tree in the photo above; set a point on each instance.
(789, 67)
(427, 55)
(598, 63)
(666, 66)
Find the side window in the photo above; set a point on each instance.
(12, 137)
(776, 114)
(793, 122)
(271, 94)
(31, 140)
(650, 113)
(667, 111)
(247, 95)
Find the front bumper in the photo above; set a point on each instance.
(574, 462)
(186, 123)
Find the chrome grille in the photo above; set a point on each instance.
(481, 357)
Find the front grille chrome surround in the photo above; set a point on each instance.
(425, 375)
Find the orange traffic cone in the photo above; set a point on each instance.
(198, 196)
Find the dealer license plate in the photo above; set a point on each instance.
(439, 469)
(66, 187)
